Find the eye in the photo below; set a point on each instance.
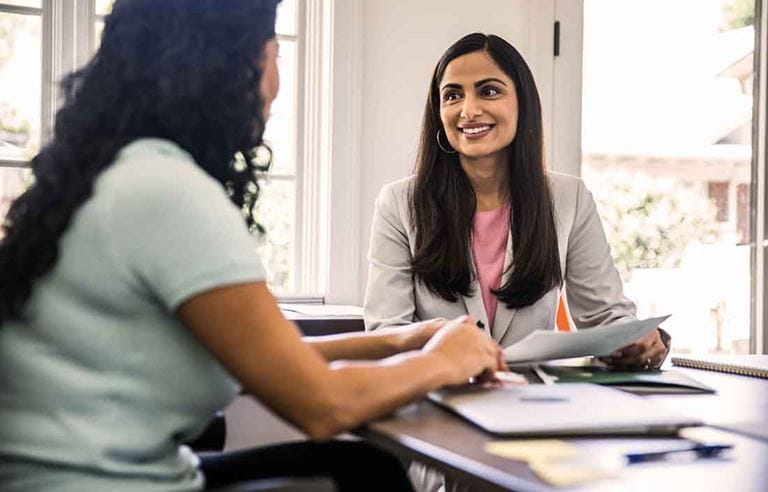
(450, 96)
(489, 91)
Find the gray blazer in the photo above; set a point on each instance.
(593, 286)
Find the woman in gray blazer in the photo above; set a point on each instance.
(482, 227)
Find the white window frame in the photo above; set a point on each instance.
(341, 249)
(328, 151)
(68, 41)
(759, 328)
(312, 150)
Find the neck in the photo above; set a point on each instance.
(487, 175)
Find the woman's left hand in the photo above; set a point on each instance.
(646, 353)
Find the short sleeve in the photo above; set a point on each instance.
(174, 232)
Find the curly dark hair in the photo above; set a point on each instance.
(183, 70)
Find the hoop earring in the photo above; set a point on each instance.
(439, 144)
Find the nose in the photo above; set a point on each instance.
(471, 108)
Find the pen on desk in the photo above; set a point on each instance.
(701, 450)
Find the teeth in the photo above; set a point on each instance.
(477, 129)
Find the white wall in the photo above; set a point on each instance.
(390, 49)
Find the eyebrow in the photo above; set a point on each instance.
(476, 84)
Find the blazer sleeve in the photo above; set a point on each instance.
(389, 294)
(593, 285)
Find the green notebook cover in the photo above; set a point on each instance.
(642, 382)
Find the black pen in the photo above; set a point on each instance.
(701, 450)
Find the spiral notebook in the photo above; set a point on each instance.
(755, 365)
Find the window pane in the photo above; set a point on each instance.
(285, 24)
(13, 181)
(280, 133)
(20, 75)
(24, 3)
(275, 211)
(97, 31)
(104, 7)
(286, 18)
(667, 153)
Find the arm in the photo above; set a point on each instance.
(383, 343)
(244, 329)
(595, 291)
(389, 294)
(593, 285)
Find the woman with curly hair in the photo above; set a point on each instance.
(132, 304)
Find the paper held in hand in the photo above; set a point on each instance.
(599, 341)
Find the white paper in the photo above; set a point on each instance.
(599, 341)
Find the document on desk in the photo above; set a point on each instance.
(602, 340)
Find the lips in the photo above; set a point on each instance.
(476, 131)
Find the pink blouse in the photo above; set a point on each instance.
(489, 247)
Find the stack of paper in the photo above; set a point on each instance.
(602, 340)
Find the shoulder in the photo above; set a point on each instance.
(397, 191)
(153, 172)
(561, 183)
(568, 192)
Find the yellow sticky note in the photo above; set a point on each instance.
(555, 462)
(532, 449)
(565, 474)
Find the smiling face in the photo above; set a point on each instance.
(478, 106)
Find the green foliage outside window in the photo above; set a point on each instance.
(649, 222)
(739, 13)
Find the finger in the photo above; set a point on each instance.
(633, 350)
(630, 362)
(487, 376)
(620, 351)
(658, 355)
(501, 362)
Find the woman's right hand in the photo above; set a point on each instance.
(466, 351)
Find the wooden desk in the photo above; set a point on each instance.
(427, 433)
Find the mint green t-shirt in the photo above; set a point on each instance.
(101, 383)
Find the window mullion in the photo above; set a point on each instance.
(313, 149)
(67, 44)
(19, 9)
(759, 328)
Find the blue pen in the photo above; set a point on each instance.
(701, 450)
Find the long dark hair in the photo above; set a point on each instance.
(183, 70)
(442, 200)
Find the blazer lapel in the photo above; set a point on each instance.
(504, 315)
(474, 303)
